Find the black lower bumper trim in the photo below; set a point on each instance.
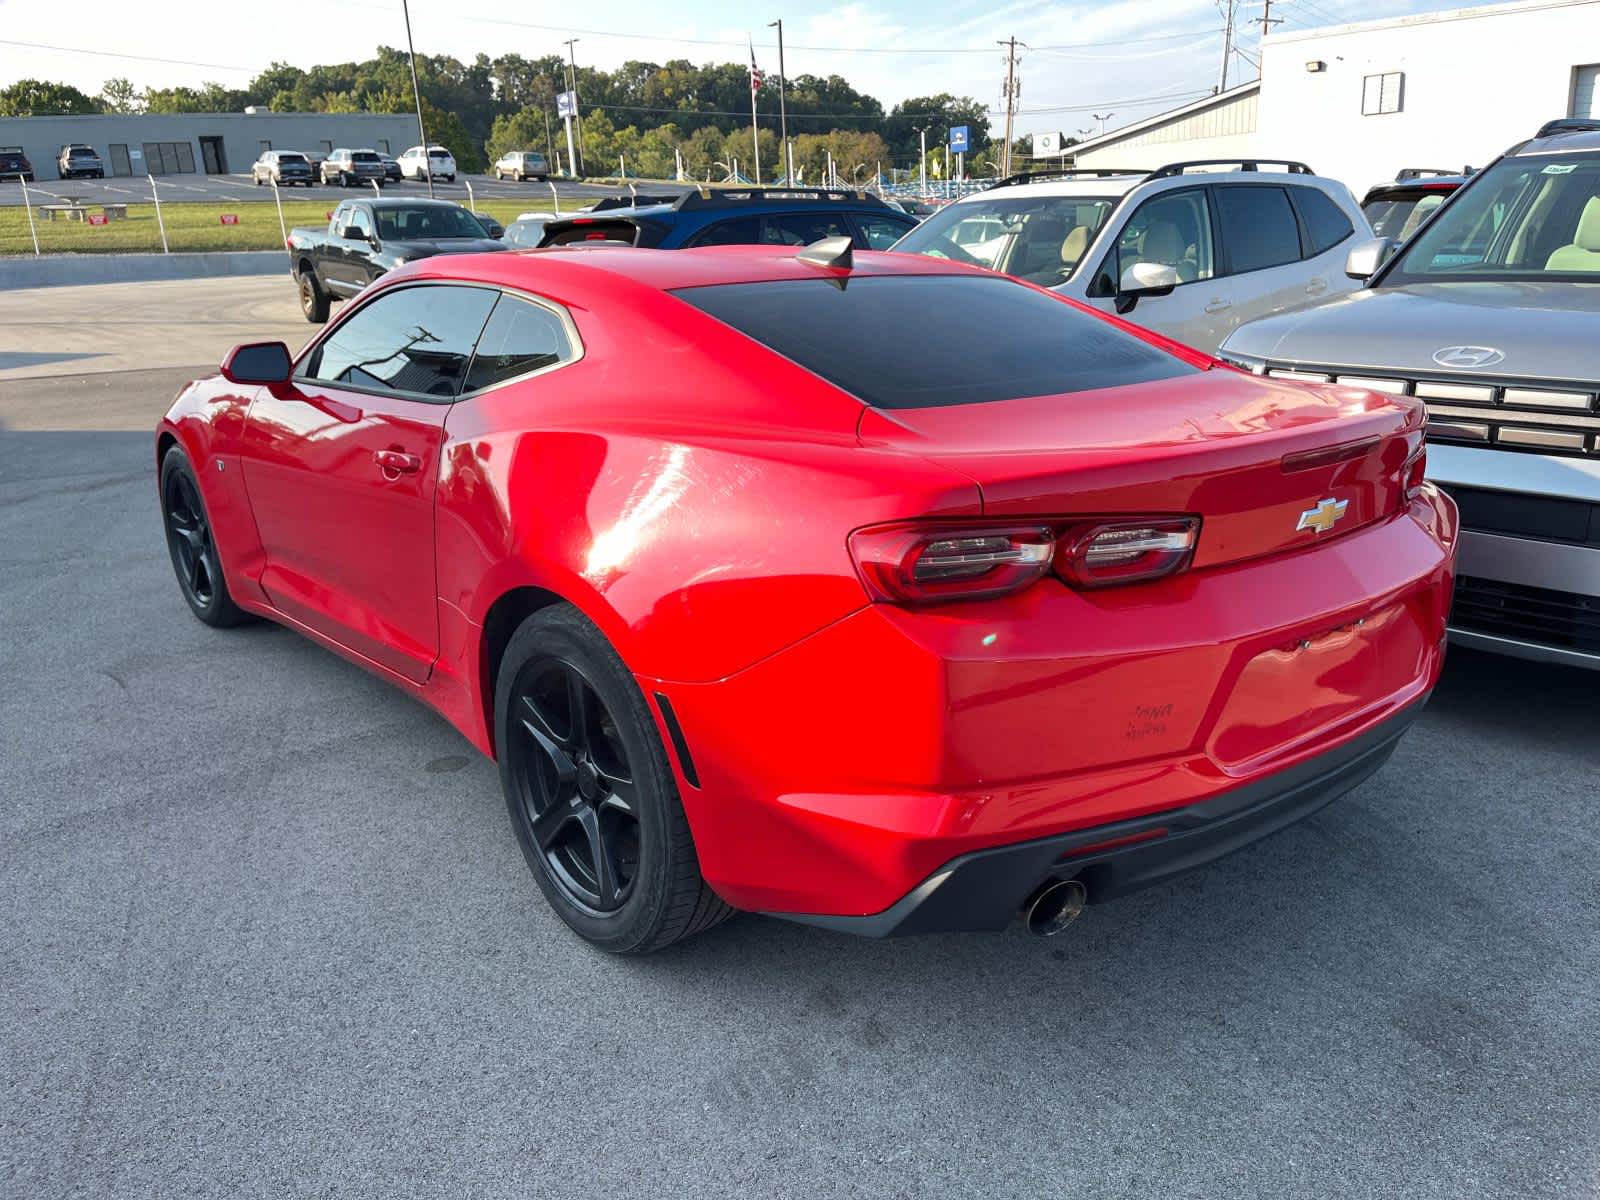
(986, 889)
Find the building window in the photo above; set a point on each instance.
(1382, 93)
(169, 158)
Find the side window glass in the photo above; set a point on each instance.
(742, 231)
(520, 337)
(1170, 230)
(1258, 226)
(880, 232)
(416, 341)
(1324, 220)
(363, 222)
(801, 229)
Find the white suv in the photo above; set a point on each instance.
(438, 161)
(1189, 251)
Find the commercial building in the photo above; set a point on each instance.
(1359, 102)
(201, 143)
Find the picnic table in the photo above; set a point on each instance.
(76, 208)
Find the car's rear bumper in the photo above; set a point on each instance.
(986, 890)
(839, 775)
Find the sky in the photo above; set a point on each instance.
(1127, 58)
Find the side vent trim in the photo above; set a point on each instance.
(679, 745)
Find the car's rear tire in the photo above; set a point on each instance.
(590, 792)
(193, 545)
(314, 301)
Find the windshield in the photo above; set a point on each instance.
(427, 221)
(1529, 218)
(1038, 238)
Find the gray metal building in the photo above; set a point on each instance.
(201, 143)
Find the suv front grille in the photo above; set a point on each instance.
(1504, 414)
(1529, 614)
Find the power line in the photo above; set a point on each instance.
(175, 62)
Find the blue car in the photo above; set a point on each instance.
(735, 217)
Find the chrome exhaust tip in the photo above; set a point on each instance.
(1054, 907)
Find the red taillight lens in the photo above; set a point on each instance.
(1126, 551)
(1416, 473)
(924, 564)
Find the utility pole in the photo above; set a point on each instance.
(1011, 45)
(572, 86)
(416, 91)
(783, 111)
(1227, 7)
(1102, 118)
(1266, 20)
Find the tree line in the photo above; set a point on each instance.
(647, 114)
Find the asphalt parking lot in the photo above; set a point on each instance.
(180, 188)
(270, 933)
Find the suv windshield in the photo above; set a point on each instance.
(1530, 218)
(1038, 238)
(427, 221)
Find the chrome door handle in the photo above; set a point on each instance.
(396, 462)
(1218, 305)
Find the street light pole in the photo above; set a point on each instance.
(572, 86)
(923, 161)
(1102, 118)
(783, 111)
(416, 91)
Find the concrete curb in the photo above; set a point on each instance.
(64, 270)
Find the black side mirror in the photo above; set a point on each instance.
(353, 233)
(258, 362)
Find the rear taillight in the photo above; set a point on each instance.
(1126, 551)
(1416, 472)
(925, 563)
(922, 564)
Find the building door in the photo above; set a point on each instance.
(119, 158)
(212, 156)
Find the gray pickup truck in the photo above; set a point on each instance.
(365, 238)
(1490, 314)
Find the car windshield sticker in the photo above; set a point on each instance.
(1559, 169)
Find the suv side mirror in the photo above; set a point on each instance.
(1144, 279)
(258, 362)
(353, 233)
(1363, 261)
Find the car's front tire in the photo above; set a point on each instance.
(590, 792)
(193, 546)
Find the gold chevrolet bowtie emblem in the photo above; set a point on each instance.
(1321, 518)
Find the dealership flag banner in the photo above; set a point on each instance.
(755, 86)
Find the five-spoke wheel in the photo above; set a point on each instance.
(591, 794)
(193, 544)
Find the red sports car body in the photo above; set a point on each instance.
(932, 590)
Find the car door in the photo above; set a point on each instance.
(1328, 232)
(347, 271)
(341, 465)
(1262, 248)
(1170, 229)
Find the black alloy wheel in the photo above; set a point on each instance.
(590, 792)
(193, 545)
(575, 784)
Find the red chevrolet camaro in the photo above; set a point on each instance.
(886, 595)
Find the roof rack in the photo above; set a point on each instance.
(1569, 125)
(704, 197)
(1064, 173)
(1243, 164)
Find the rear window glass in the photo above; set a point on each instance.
(291, 158)
(1258, 227)
(1325, 221)
(592, 231)
(926, 341)
(365, 156)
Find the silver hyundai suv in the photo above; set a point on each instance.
(1491, 314)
